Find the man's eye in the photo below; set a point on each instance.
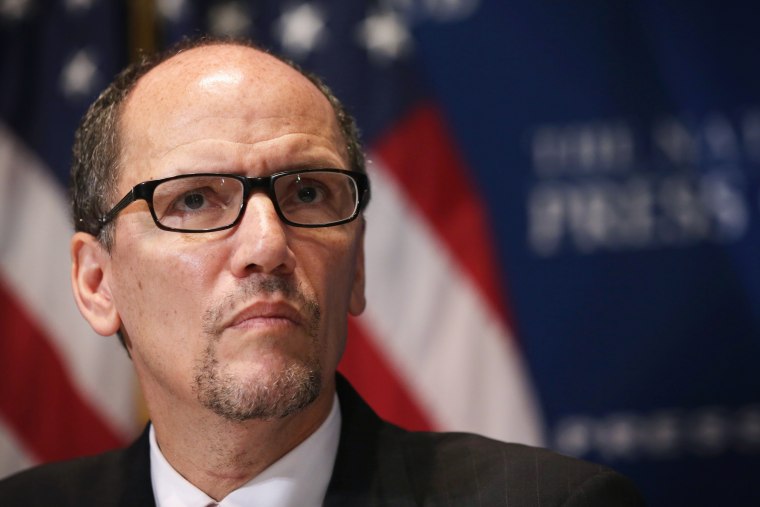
(309, 195)
(193, 201)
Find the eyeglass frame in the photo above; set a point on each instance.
(144, 191)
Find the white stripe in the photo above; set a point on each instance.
(12, 456)
(34, 260)
(453, 352)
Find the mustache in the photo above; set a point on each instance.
(262, 285)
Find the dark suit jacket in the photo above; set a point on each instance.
(377, 464)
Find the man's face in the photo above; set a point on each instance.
(248, 321)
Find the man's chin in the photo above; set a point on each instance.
(266, 394)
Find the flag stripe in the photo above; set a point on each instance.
(35, 264)
(12, 454)
(449, 347)
(37, 398)
(375, 378)
(421, 155)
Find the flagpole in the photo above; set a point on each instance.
(142, 29)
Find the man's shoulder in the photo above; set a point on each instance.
(381, 464)
(463, 466)
(475, 450)
(54, 483)
(104, 479)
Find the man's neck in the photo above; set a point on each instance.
(218, 455)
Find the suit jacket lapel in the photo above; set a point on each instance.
(370, 468)
(137, 483)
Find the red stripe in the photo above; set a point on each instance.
(370, 374)
(421, 155)
(38, 401)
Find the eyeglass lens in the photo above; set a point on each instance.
(208, 202)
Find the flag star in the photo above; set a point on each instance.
(79, 75)
(451, 10)
(385, 35)
(14, 9)
(78, 5)
(301, 29)
(230, 19)
(171, 10)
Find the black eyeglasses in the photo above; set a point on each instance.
(208, 202)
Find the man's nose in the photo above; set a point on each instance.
(261, 240)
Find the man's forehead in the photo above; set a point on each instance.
(221, 86)
(223, 77)
(220, 64)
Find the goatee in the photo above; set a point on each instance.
(275, 396)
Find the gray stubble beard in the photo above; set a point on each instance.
(283, 394)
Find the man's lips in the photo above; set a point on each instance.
(266, 314)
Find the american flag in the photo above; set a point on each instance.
(65, 391)
(436, 347)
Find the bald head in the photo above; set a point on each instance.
(237, 100)
(221, 76)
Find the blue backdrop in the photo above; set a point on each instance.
(618, 146)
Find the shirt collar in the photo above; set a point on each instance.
(298, 479)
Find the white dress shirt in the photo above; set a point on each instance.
(298, 479)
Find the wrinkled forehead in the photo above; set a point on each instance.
(221, 81)
(225, 68)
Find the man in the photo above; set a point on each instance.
(217, 196)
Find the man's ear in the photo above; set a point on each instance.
(358, 301)
(90, 279)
